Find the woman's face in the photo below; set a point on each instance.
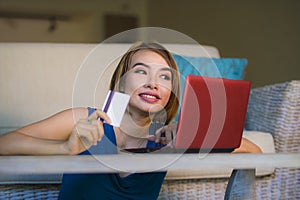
(149, 82)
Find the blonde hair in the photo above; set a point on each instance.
(124, 66)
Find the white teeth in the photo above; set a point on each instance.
(149, 96)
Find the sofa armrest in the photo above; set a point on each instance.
(276, 109)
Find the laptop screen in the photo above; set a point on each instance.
(212, 114)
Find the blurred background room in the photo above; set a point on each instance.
(266, 32)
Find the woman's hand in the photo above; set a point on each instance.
(86, 132)
(247, 147)
(165, 135)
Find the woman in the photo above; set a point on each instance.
(148, 73)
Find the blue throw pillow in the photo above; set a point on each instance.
(230, 68)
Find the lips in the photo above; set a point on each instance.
(149, 97)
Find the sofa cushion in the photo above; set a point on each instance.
(230, 68)
(33, 74)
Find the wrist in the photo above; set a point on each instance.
(64, 148)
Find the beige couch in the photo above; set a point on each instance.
(39, 79)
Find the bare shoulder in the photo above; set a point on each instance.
(73, 113)
(57, 126)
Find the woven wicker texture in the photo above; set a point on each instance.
(29, 192)
(274, 109)
(194, 189)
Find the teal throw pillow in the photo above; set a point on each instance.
(230, 68)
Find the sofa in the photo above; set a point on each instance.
(40, 79)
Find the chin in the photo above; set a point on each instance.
(155, 109)
(147, 109)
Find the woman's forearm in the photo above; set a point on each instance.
(15, 143)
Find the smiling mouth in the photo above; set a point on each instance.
(149, 96)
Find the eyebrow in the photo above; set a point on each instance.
(148, 66)
(140, 63)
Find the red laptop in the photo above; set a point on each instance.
(212, 116)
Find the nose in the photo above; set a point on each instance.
(151, 83)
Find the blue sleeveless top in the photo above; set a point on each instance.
(143, 186)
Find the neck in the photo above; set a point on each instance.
(135, 126)
(133, 133)
(139, 117)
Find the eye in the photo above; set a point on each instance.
(140, 71)
(166, 77)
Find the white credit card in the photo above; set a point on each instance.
(115, 106)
